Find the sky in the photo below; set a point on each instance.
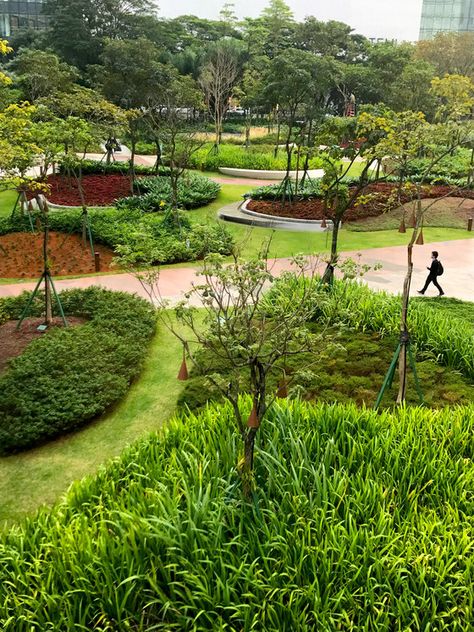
(393, 19)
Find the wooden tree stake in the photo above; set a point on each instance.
(183, 374)
(253, 421)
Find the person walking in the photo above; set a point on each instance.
(436, 270)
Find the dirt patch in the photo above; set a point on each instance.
(21, 255)
(13, 342)
(99, 190)
(377, 199)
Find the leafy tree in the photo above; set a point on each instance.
(277, 18)
(449, 53)
(79, 28)
(454, 95)
(411, 90)
(333, 39)
(41, 73)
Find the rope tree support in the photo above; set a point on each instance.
(49, 288)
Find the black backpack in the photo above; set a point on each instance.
(440, 269)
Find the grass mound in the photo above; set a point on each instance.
(362, 522)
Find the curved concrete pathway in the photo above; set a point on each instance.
(457, 281)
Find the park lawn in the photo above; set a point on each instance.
(7, 202)
(40, 476)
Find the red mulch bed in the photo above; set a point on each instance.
(12, 342)
(314, 208)
(21, 255)
(99, 190)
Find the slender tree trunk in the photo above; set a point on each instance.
(132, 164)
(328, 276)
(158, 157)
(48, 306)
(402, 361)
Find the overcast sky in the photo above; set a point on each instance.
(399, 19)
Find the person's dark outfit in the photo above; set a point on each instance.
(432, 278)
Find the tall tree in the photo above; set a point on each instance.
(218, 79)
(449, 53)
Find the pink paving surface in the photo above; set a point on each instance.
(457, 258)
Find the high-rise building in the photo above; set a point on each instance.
(20, 14)
(441, 16)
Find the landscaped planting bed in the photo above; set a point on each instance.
(71, 375)
(361, 521)
(378, 199)
(21, 255)
(99, 190)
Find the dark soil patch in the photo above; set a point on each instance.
(99, 190)
(13, 342)
(21, 255)
(377, 200)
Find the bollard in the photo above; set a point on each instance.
(469, 223)
(97, 261)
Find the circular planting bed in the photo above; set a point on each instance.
(21, 255)
(377, 197)
(99, 190)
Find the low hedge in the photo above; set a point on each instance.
(98, 167)
(71, 375)
(130, 228)
(155, 193)
(361, 521)
(260, 157)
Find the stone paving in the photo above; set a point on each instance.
(457, 258)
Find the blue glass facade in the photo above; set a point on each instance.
(20, 14)
(441, 16)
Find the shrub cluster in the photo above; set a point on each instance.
(155, 193)
(71, 375)
(130, 228)
(360, 521)
(260, 157)
(96, 167)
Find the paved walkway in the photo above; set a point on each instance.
(457, 281)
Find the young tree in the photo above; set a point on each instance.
(168, 122)
(252, 340)
(408, 135)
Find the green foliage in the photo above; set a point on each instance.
(261, 157)
(347, 366)
(96, 167)
(362, 522)
(436, 335)
(132, 228)
(71, 375)
(193, 191)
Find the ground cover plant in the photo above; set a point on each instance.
(362, 523)
(71, 375)
(258, 157)
(347, 366)
(154, 194)
(132, 230)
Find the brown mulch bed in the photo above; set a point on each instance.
(21, 255)
(13, 343)
(377, 204)
(99, 190)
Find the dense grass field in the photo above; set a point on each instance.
(361, 521)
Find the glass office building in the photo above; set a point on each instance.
(20, 14)
(441, 16)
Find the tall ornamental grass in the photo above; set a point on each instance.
(436, 333)
(362, 522)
